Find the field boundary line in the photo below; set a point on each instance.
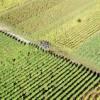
(25, 41)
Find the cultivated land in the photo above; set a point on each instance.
(65, 27)
(9, 4)
(93, 94)
(56, 19)
(90, 51)
(68, 64)
(27, 72)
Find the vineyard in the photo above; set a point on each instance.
(49, 50)
(31, 73)
(93, 93)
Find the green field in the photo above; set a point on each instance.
(49, 50)
(27, 72)
(90, 51)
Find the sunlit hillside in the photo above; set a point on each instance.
(49, 49)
